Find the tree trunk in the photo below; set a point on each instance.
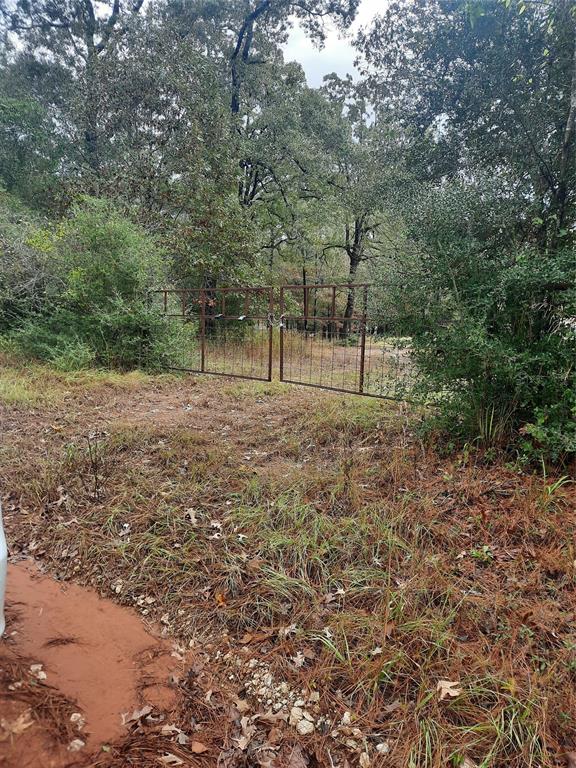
(91, 142)
(566, 152)
(91, 98)
(354, 249)
(241, 52)
(351, 298)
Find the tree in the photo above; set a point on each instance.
(77, 34)
(485, 95)
(363, 169)
(490, 85)
(276, 17)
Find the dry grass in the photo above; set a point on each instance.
(34, 702)
(315, 535)
(26, 384)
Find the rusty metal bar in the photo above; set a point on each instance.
(202, 331)
(270, 331)
(363, 340)
(326, 286)
(216, 373)
(333, 314)
(282, 321)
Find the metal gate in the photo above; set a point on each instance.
(225, 331)
(325, 337)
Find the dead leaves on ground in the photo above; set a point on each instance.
(448, 689)
(12, 728)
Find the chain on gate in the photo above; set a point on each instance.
(325, 338)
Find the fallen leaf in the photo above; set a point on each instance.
(389, 628)
(256, 637)
(297, 758)
(467, 763)
(242, 706)
(275, 736)
(299, 660)
(243, 741)
(62, 496)
(198, 748)
(170, 759)
(571, 759)
(248, 730)
(16, 727)
(136, 716)
(272, 717)
(314, 697)
(448, 688)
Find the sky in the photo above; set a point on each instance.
(337, 55)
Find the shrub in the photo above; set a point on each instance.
(91, 308)
(23, 266)
(492, 321)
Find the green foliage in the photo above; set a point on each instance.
(553, 430)
(29, 151)
(100, 257)
(91, 307)
(23, 261)
(491, 319)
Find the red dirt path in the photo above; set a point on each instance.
(97, 654)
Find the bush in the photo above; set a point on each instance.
(492, 321)
(91, 305)
(23, 267)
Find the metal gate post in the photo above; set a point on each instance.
(270, 331)
(363, 339)
(202, 330)
(281, 333)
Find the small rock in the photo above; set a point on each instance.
(305, 727)
(296, 715)
(76, 745)
(38, 672)
(78, 719)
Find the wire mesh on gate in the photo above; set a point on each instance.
(224, 331)
(328, 341)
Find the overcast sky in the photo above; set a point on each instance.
(337, 55)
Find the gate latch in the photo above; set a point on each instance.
(272, 321)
